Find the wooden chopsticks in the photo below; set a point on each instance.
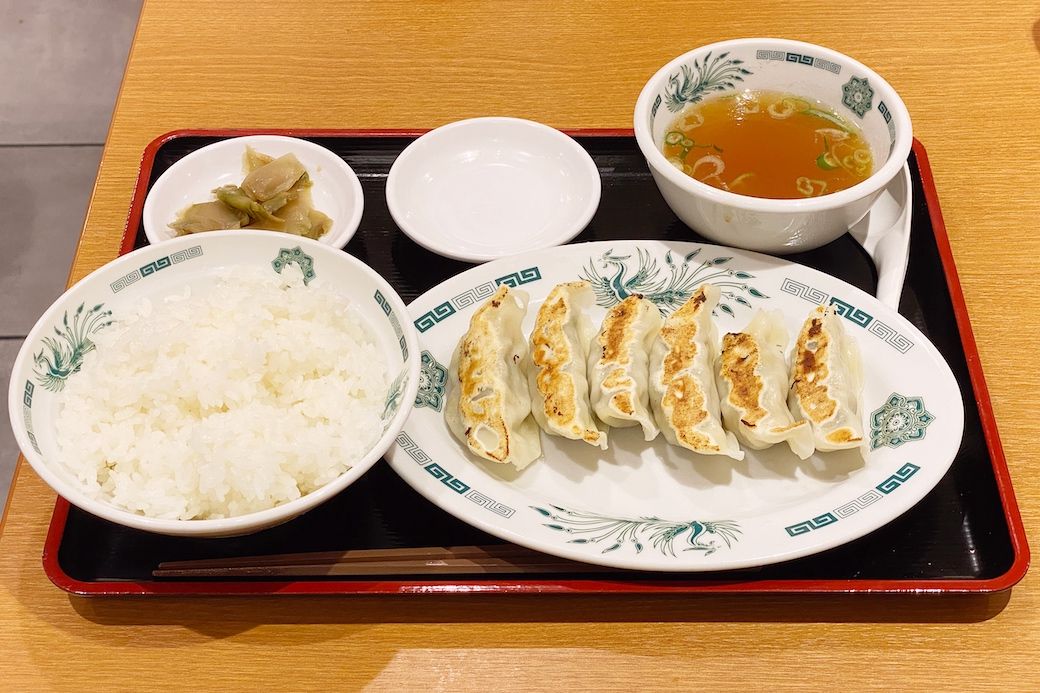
(449, 560)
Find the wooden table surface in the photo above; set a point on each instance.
(968, 72)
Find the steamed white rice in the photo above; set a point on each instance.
(224, 401)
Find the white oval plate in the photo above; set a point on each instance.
(650, 506)
(336, 190)
(486, 188)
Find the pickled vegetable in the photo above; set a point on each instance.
(209, 216)
(254, 159)
(272, 178)
(236, 198)
(275, 196)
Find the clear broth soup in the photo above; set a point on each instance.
(768, 144)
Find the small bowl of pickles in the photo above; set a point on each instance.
(269, 182)
(770, 144)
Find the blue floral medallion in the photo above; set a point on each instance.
(857, 95)
(297, 256)
(432, 379)
(900, 420)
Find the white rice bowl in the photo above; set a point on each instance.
(224, 402)
(215, 384)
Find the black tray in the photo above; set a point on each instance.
(966, 535)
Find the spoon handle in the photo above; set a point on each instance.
(886, 237)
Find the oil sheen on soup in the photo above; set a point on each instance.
(768, 144)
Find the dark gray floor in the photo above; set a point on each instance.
(60, 67)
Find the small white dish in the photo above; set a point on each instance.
(336, 190)
(485, 188)
(57, 344)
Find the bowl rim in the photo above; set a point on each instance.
(875, 182)
(337, 165)
(560, 143)
(239, 524)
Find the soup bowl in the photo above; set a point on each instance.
(849, 88)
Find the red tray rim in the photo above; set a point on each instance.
(1020, 547)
